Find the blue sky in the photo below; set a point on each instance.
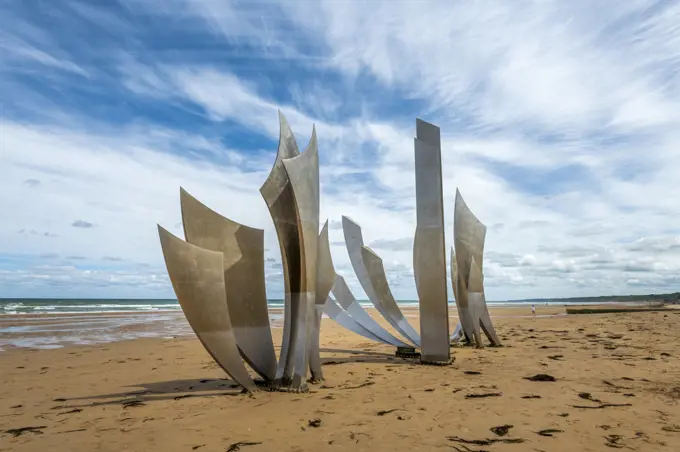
(559, 125)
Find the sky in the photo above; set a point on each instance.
(559, 121)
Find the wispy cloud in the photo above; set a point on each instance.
(559, 125)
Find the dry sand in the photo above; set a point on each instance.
(618, 386)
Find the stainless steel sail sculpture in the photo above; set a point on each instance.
(457, 334)
(218, 274)
(334, 311)
(292, 195)
(303, 173)
(429, 257)
(242, 249)
(197, 276)
(324, 282)
(372, 329)
(467, 274)
(278, 194)
(429, 250)
(371, 274)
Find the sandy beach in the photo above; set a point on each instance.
(617, 385)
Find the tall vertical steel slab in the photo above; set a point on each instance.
(242, 249)
(346, 300)
(278, 194)
(303, 174)
(197, 276)
(429, 249)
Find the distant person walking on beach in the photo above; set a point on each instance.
(533, 310)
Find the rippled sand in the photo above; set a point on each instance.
(617, 386)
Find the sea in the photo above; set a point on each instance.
(53, 323)
(19, 306)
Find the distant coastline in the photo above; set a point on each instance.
(19, 306)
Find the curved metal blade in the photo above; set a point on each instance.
(376, 272)
(278, 194)
(324, 281)
(346, 300)
(469, 237)
(197, 276)
(303, 173)
(388, 308)
(475, 299)
(459, 332)
(242, 249)
(454, 274)
(480, 309)
(336, 313)
(429, 250)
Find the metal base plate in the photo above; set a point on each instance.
(407, 352)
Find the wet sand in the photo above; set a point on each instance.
(617, 386)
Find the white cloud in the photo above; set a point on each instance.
(16, 51)
(577, 99)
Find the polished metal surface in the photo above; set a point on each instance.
(197, 276)
(429, 249)
(458, 333)
(325, 278)
(387, 307)
(242, 250)
(278, 194)
(339, 315)
(482, 318)
(460, 295)
(469, 236)
(346, 300)
(476, 301)
(303, 173)
(376, 272)
(454, 273)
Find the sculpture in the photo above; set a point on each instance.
(324, 282)
(335, 312)
(467, 274)
(303, 173)
(351, 306)
(347, 312)
(371, 274)
(278, 194)
(429, 251)
(197, 276)
(218, 274)
(242, 250)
